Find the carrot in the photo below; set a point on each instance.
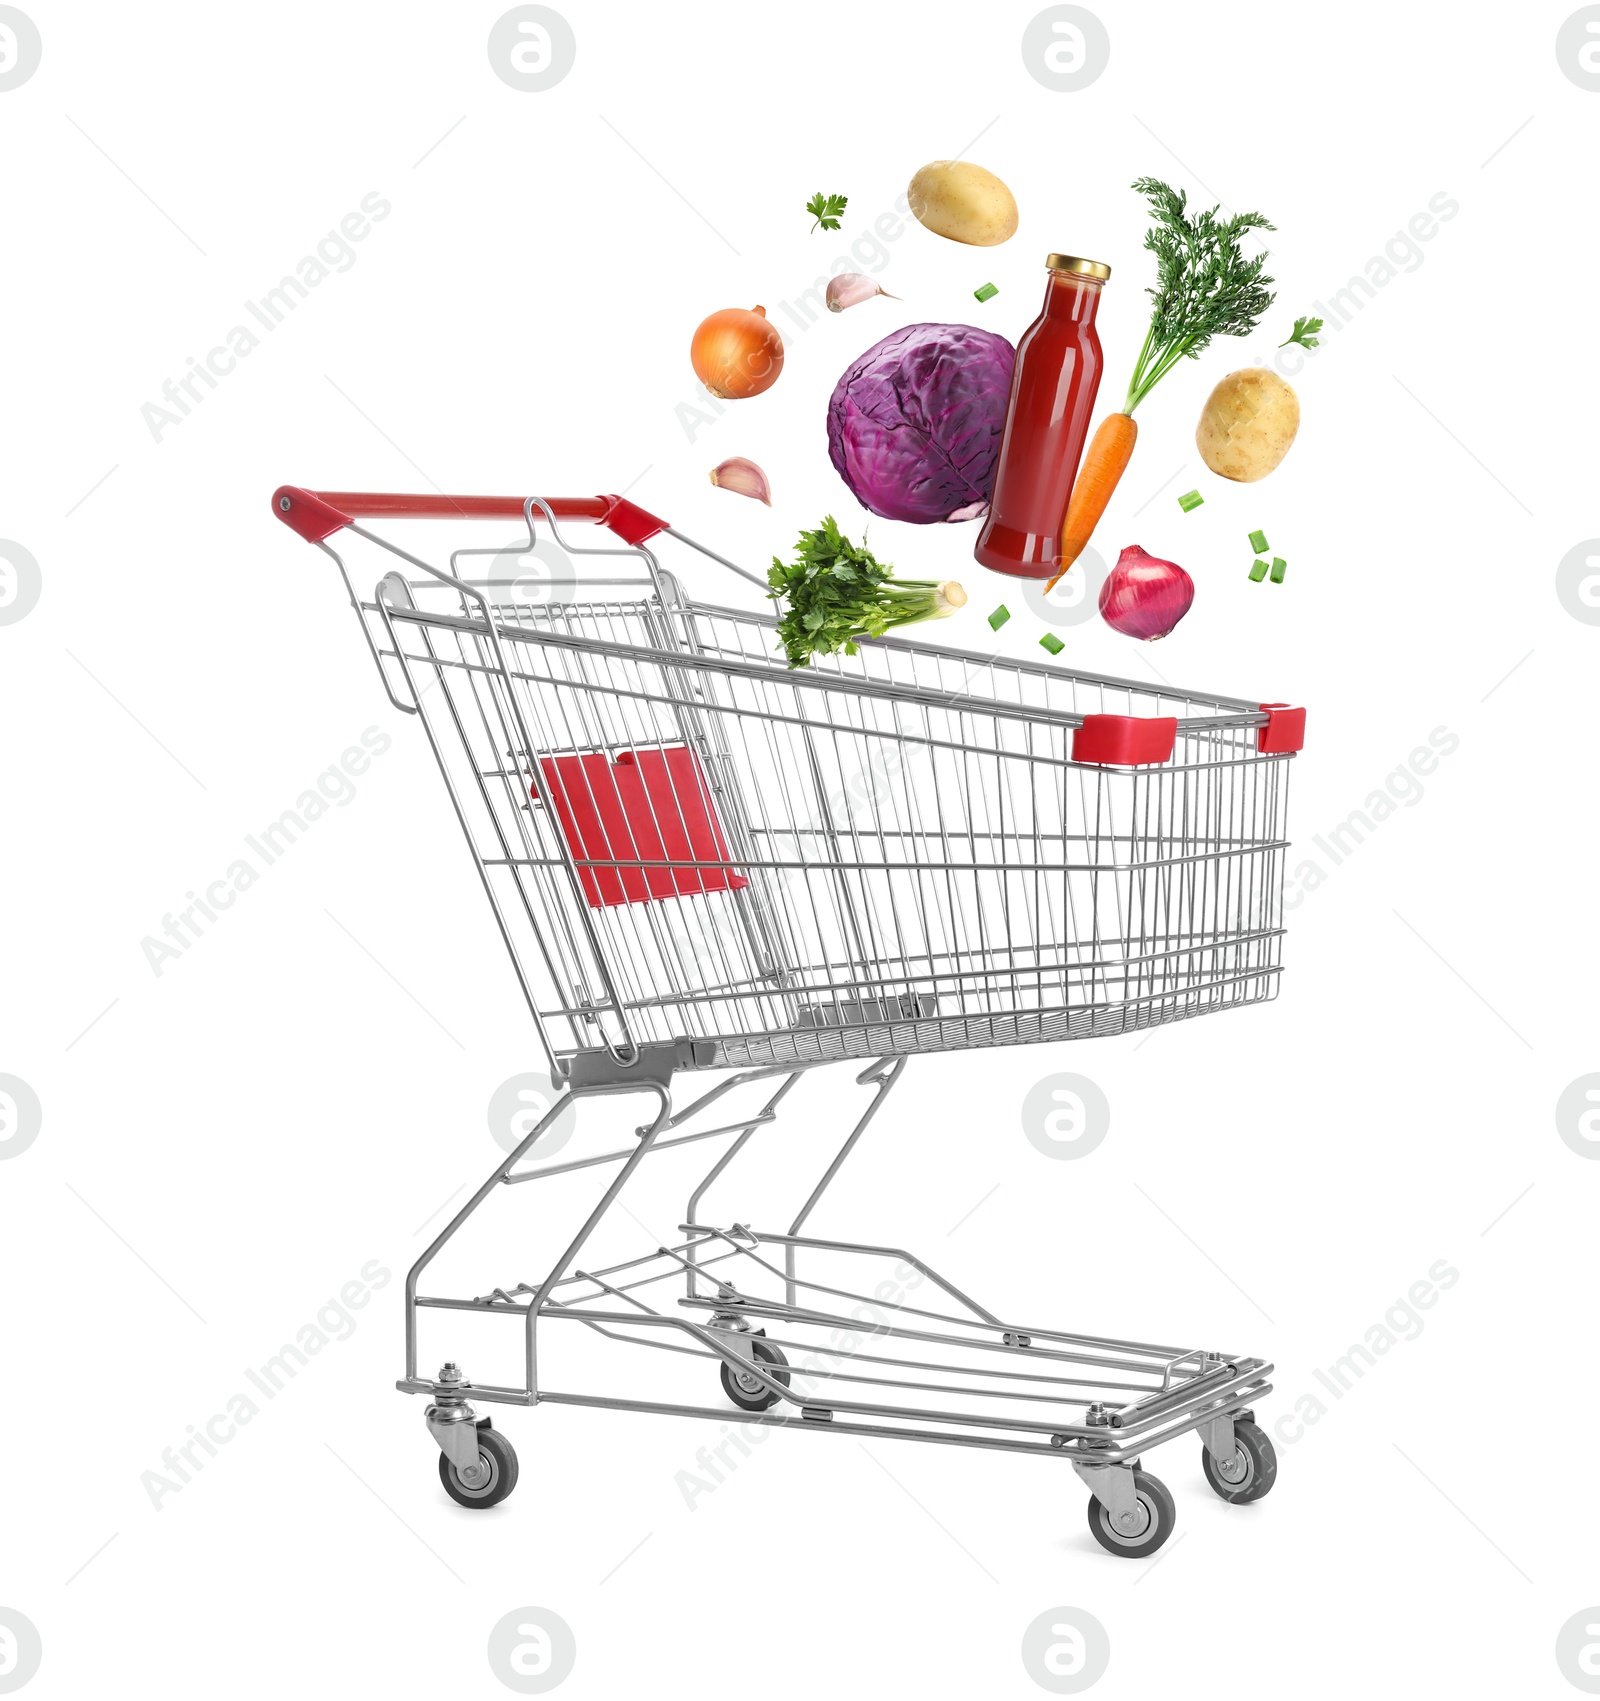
(1104, 463)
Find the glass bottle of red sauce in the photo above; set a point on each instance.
(1053, 387)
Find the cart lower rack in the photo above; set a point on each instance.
(699, 859)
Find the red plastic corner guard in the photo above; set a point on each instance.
(1125, 741)
(1285, 731)
(632, 523)
(305, 512)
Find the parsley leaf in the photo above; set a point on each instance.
(825, 209)
(1303, 333)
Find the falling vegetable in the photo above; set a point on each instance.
(1303, 333)
(850, 289)
(915, 422)
(1279, 568)
(1258, 542)
(736, 353)
(1204, 288)
(1052, 643)
(998, 619)
(961, 201)
(1190, 500)
(837, 594)
(987, 293)
(743, 478)
(1248, 424)
(825, 209)
(1103, 465)
(1144, 596)
(1258, 571)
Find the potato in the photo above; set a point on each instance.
(1247, 424)
(962, 201)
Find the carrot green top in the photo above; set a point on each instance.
(1204, 285)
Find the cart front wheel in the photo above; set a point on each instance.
(1141, 1531)
(1252, 1470)
(490, 1480)
(745, 1388)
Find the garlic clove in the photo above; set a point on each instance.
(743, 478)
(850, 289)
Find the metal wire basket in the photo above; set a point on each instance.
(910, 849)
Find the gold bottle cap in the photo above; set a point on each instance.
(1079, 268)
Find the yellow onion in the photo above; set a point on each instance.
(736, 353)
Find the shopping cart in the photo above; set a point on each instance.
(702, 860)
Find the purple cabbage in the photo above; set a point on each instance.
(914, 425)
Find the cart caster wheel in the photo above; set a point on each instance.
(1141, 1531)
(748, 1390)
(495, 1475)
(1252, 1470)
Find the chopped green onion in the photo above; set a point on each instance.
(1279, 568)
(998, 619)
(1190, 502)
(986, 293)
(1258, 572)
(1052, 643)
(1258, 542)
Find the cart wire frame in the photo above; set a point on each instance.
(701, 859)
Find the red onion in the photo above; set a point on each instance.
(1143, 596)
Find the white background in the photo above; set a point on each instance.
(305, 1088)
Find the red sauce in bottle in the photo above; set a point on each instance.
(1053, 387)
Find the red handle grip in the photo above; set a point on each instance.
(317, 514)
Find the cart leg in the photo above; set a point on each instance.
(561, 1265)
(883, 1079)
(498, 1175)
(768, 1111)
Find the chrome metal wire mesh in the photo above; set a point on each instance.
(885, 853)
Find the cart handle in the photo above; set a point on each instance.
(318, 514)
